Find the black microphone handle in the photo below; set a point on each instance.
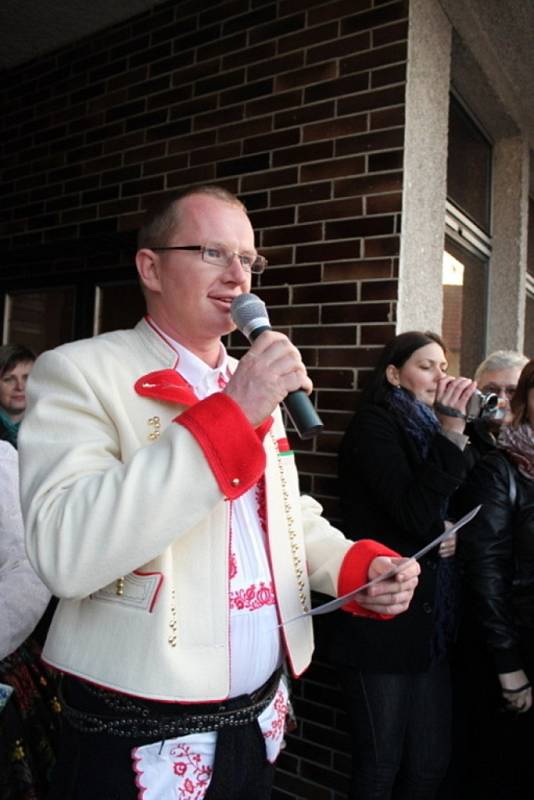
(297, 404)
(303, 414)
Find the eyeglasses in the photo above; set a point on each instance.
(222, 256)
(497, 388)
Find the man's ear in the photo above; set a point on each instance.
(392, 375)
(149, 266)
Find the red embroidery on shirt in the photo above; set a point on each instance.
(233, 565)
(221, 381)
(253, 597)
(191, 767)
(261, 500)
(276, 730)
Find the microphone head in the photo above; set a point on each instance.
(249, 313)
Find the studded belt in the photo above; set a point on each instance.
(127, 718)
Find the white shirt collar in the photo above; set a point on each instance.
(204, 379)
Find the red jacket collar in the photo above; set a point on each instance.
(167, 385)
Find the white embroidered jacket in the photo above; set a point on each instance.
(125, 492)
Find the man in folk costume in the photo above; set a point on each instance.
(162, 507)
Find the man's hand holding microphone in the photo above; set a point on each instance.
(272, 372)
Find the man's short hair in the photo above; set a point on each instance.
(13, 354)
(163, 219)
(501, 359)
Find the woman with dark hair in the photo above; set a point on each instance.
(497, 552)
(400, 462)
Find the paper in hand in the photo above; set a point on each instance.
(332, 605)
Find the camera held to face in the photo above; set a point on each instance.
(484, 405)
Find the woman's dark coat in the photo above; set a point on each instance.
(389, 493)
(497, 552)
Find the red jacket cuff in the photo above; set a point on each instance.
(230, 443)
(355, 570)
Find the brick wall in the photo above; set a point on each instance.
(298, 107)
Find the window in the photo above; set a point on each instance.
(117, 305)
(467, 242)
(468, 166)
(39, 319)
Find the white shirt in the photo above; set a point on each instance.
(255, 646)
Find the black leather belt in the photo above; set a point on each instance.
(139, 719)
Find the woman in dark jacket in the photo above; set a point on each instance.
(497, 551)
(400, 463)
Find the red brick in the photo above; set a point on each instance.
(369, 100)
(275, 102)
(333, 168)
(304, 77)
(366, 142)
(272, 217)
(372, 19)
(337, 401)
(340, 47)
(297, 195)
(382, 246)
(395, 32)
(384, 203)
(292, 235)
(334, 209)
(303, 153)
(333, 128)
(324, 336)
(340, 8)
(303, 114)
(379, 290)
(368, 184)
(362, 226)
(215, 153)
(241, 55)
(358, 270)
(333, 293)
(281, 177)
(340, 86)
(280, 140)
(348, 357)
(310, 36)
(376, 334)
(275, 66)
(377, 57)
(388, 75)
(332, 378)
(387, 118)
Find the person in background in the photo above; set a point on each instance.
(162, 506)
(497, 552)
(29, 706)
(16, 362)
(497, 374)
(400, 462)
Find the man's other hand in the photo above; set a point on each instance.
(392, 595)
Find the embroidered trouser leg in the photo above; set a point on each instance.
(101, 765)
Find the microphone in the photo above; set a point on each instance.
(251, 318)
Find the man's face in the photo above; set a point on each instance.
(502, 382)
(13, 389)
(187, 297)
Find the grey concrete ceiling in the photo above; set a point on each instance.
(499, 36)
(31, 28)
